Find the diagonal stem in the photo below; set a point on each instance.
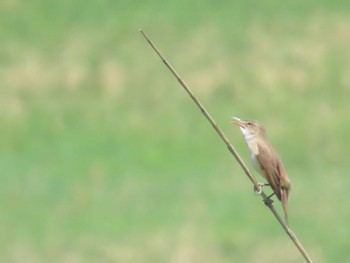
(232, 150)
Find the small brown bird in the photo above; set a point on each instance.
(266, 160)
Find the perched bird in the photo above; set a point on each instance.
(266, 160)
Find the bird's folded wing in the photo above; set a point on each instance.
(269, 163)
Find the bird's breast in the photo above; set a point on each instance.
(255, 162)
(252, 143)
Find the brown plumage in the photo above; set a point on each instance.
(266, 160)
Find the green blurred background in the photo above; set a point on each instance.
(104, 158)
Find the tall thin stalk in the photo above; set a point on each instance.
(232, 150)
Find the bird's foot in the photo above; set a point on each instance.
(259, 190)
(268, 201)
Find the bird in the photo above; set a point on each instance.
(266, 160)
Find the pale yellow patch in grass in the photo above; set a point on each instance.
(27, 72)
(9, 4)
(12, 107)
(31, 70)
(208, 79)
(275, 250)
(20, 251)
(190, 241)
(195, 241)
(204, 61)
(112, 77)
(278, 56)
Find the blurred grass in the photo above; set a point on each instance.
(103, 158)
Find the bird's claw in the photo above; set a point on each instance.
(259, 190)
(268, 202)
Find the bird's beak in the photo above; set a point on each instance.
(238, 121)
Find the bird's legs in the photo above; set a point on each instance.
(271, 195)
(259, 190)
(268, 201)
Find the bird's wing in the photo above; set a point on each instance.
(270, 166)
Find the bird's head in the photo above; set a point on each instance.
(249, 128)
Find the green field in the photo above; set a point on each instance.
(104, 158)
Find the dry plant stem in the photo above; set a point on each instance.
(231, 149)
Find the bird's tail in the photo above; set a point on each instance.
(284, 201)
